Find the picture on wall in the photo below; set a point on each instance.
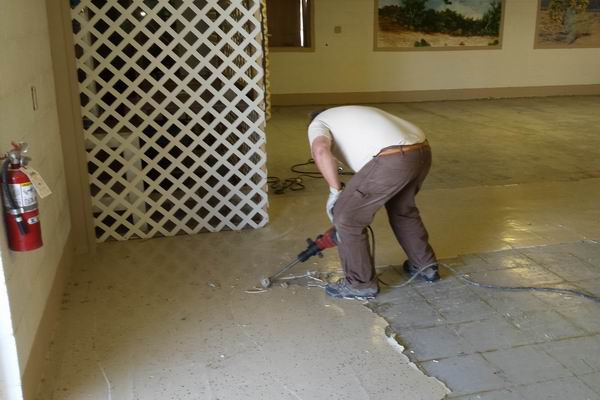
(568, 23)
(438, 24)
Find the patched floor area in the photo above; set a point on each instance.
(491, 344)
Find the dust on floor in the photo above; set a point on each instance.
(170, 318)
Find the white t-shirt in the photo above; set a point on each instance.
(358, 133)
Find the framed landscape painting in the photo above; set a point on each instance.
(438, 24)
(568, 24)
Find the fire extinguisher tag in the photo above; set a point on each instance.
(38, 182)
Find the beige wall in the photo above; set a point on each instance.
(346, 62)
(26, 62)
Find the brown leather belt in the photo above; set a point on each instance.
(402, 148)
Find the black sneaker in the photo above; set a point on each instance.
(430, 274)
(342, 290)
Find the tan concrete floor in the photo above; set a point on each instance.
(169, 318)
(479, 142)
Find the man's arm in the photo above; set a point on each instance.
(326, 162)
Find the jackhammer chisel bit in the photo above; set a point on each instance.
(322, 242)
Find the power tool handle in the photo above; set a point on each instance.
(327, 240)
(322, 242)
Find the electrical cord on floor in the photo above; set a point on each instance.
(573, 292)
(279, 186)
(296, 183)
(471, 282)
(310, 173)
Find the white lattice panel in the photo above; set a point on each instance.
(172, 100)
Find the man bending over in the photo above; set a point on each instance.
(391, 159)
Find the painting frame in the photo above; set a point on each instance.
(538, 44)
(378, 48)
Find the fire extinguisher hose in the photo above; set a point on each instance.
(8, 195)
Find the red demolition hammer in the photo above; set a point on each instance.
(322, 242)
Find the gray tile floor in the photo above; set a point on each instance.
(489, 344)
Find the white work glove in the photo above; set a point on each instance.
(334, 194)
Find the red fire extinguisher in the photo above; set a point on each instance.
(20, 202)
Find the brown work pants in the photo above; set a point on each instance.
(391, 181)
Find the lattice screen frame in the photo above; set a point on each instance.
(266, 60)
(172, 96)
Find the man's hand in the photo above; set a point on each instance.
(334, 195)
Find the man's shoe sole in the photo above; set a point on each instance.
(434, 278)
(361, 298)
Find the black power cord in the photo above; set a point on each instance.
(296, 183)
